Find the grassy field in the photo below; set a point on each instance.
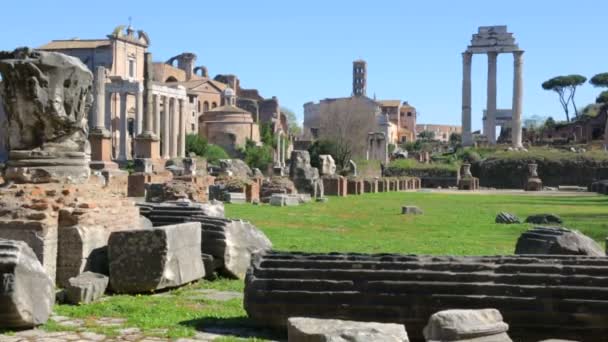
(452, 223)
(371, 223)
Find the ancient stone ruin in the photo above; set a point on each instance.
(27, 293)
(534, 183)
(47, 97)
(538, 296)
(304, 176)
(467, 181)
(558, 241)
(152, 259)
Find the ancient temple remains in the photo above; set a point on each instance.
(492, 40)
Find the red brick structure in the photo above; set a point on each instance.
(355, 186)
(335, 186)
(252, 192)
(370, 185)
(138, 180)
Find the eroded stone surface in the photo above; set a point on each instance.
(467, 325)
(27, 293)
(301, 329)
(557, 240)
(47, 100)
(148, 260)
(86, 288)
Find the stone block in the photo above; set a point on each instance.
(235, 197)
(27, 292)
(411, 210)
(86, 288)
(507, 218)
(149, 260)
(544, 219)
(282, 200)
(557, 240)
(303, 329)
(467, 326)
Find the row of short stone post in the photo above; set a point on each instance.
(343, 186)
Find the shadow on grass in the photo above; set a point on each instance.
(241, 327)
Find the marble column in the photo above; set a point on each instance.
(165, 127)
(181, 142)
(157, 103)
(100, 98)
(108, 111)
(139, 113)
(467, 135)
(491, 99)
(124, 127)
(518, 84)
(174, 124)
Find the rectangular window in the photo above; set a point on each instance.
(131, 68)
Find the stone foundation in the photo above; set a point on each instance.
(355, 186)
(539, 296)
(138, 181)
(335, 186)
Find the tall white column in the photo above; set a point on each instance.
(491, 100)
(100, 98)
(157, 100)
(181, 143)
(467, 135)
(518, 84)
(174, 117)
(165, 127)
(108, 111)
(124, 127)
(139, 113)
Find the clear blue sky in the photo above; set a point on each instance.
(302, 50)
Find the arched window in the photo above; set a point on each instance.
(171, 79)
(205, 106)
(213, 105)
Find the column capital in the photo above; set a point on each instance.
(492, 55)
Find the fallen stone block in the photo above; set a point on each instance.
(544, 219)
(86, 288)
(27, 292)
(507, 218)
(227, 245)
(282, 200)
(557, 240)
(411, 210)
(149, 260)
(232, 244)
(484, 325)
(302, 329)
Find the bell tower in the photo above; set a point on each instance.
(359, 78)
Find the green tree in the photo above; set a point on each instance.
(550, 123)
(565, 87)
(215, 153)
(292, 121)
(267, 135)
(426, 135)
(196, 144)
(257, 156)
(455, 139)
(602, 98)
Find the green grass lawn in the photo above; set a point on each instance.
(452, 223)
(370, 223)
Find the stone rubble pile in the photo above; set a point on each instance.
(467, 326)
(303, 329)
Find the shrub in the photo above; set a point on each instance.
(196, 144)
(257, 156)
(471, 156)
(215, 153)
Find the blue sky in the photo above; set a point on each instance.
(302, 50)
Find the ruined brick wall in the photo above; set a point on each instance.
(269, 110)
(67, 226)
(162, 72)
